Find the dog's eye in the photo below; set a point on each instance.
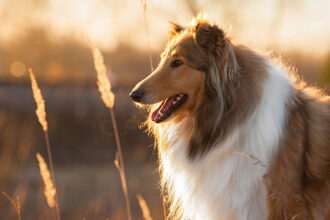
(176, 63)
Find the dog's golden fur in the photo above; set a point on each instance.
(224, 83)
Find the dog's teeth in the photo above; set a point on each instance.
(161, 114)
(174, 102)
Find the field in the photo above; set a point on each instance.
(80, 126)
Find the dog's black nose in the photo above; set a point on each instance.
(137, 95)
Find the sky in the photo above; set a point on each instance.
(301, 25)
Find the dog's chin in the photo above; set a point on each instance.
(168, 107)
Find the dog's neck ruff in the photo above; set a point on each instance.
(221, 183)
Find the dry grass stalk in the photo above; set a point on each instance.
(49, 190)
(41, 114)
(103, 81)
(108, 98)
(144, 5)
(16, 205)
(257, 161)
(53, 175)
(144, 207)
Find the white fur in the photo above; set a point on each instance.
(222, 184)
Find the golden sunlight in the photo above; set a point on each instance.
(263, 24)
(220, 72)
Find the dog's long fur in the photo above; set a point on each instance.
(240, 103)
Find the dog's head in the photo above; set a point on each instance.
(195, 66)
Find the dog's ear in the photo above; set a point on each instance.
(210, 37)
(176, 28)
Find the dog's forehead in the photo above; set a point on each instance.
(176, 41)
(183, 46)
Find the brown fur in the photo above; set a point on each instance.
(298, 180)
(211, 124)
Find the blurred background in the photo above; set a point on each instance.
(51, 37)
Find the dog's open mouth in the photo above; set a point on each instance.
(167, 107)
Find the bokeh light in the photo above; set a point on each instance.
(17, 68)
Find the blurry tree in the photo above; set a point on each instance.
(15, 10)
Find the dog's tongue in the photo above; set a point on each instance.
(162, 109)
(155, 116)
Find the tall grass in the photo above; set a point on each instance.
(144, 207)
(108, 98)
(144, 5)
(41, 114)
(16, 204)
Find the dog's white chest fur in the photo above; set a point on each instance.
(222, 184)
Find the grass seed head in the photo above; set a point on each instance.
(49, 190)
(41, 113)
(103, 81)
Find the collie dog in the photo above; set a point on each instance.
(237, 137)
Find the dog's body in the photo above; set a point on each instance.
(237, 139)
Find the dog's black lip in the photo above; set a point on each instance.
(172, 109)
